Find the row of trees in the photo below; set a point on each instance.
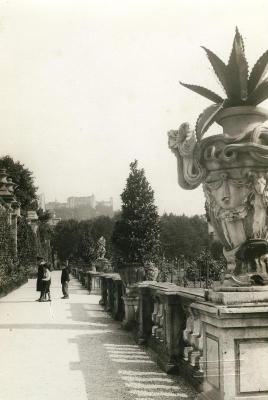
(16, 265)
(138, 235)
(77, 241)
(134, 235)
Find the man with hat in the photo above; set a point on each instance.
(65, 278)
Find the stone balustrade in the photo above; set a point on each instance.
(159, 315)
(217, 341)
(112, 292)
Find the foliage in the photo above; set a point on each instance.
(205, 266)
(241, 88)
(66, 238)
(26, 191)
(27, 243)
(86, 246)
(136, 232)
(15, 267)
(179, 232)
(11, 275)
(6, 245)
(216, 250)
(165, 270)
(103, 226)
(77, 240)
(43, 216)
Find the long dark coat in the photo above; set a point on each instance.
(40, 276)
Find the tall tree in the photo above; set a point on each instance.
(23, 177)
(86, 244)
(136, 232)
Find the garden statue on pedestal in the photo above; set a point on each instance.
(101, 251)
(101, 264)
(233, 166)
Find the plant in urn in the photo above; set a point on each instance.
(232, 166)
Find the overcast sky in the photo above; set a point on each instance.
(88, 86)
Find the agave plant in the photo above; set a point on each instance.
(241, 88)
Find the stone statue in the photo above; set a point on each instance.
(101, 251)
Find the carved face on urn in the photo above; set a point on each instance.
(228, 188)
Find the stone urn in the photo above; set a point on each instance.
(233, 168)
(131, 273)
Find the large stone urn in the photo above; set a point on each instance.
(233, 168)
(131, 273)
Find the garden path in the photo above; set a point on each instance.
(72, 349)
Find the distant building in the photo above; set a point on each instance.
(105, 208)
(74, 202)
(81, 208)
(53, 205)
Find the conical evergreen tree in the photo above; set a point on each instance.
(136, 232)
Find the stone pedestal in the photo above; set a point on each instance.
(235, 349)
(94, 283)
(131, 302)
(102, 265)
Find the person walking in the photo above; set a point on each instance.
(46, 284)
(40, 275)
(65, 278)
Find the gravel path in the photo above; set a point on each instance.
(71, 349)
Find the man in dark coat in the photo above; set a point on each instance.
(65, 278)
(40, 276)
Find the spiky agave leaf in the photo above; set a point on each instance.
(206, 119)
(220, 69)
(238, 71)
(204, 92)
(258, 72)
(259, 94)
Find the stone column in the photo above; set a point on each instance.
(118, 309)
(145, 313)
(103, 299)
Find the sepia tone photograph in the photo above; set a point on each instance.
(134, 200)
